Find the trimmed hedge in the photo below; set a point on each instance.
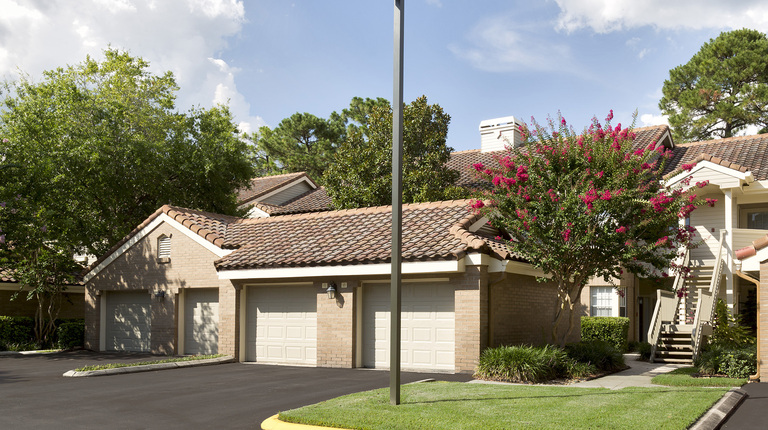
(71, 334)
(16, 330)
(613, 330)
(734, 362)
(598, 353)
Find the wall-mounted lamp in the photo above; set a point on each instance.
(160, 294)
(331, 290)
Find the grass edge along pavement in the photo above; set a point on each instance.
(145, 366)
(455, 405)
(683, 377)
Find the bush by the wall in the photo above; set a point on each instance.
(16, 330)
(527, 364)
(599, 353)
(734, 362)
(613, 330)
(71, 334)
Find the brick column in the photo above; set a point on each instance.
(335, 326)
(762, 322)
(471, 318)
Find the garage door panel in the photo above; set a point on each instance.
(427, 318)
(128, 321)
(201, 321)
(281, 325)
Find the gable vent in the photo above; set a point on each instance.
(164, 247)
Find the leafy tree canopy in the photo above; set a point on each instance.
(580, 205)
(101, 146)
(721, 90)
(301, 143)
(361, 172)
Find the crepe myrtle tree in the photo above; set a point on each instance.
(588, 204)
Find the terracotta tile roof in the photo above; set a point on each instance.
(462, 161)
(744, 153)
(315, 200)
(6, 275)
(751, 250)
(210, 226)
(431, 231)
(266, 184)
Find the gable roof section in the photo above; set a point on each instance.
(316, 200)
(743, 154)
(260, 187)
(462, 161)
(206, 228)
(431, 232)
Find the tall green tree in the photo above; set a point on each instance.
(303, 142)
(721, 90)
(102, 145)
(361, 172)
(583, 205)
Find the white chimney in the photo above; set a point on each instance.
(496, 134)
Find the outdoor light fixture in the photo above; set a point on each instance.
(331, 290)
(160, 294)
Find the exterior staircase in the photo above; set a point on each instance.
(680, 322)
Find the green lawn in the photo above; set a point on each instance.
(454, 405)
(682, 378)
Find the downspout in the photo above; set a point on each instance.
(756, 376)
(502, 277)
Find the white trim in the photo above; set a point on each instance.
(478, 224)
(103, 321)
(181, 326)
(356, 270)
(404, 281)
(284, 187)
(243, 321)
(744, 176)
(141, 234)
(256, 213)
(523, 269)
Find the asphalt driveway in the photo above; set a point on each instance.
(34, 395)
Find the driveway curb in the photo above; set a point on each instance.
(149, 367)
(717, 414)
(36, 352)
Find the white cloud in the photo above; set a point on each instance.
(175, 35)
(650, 119)
(500, 44)
(605, 16)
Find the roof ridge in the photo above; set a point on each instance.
(465, 151)
(724, 140)
(712, 159)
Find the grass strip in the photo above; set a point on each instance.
(684, 377)
(142, 363)
(453, 405)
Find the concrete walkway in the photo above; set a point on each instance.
(639, 374)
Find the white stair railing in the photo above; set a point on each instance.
(667, 304)
(705, 308)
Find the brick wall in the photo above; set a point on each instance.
(336, 327)
(762, 321)
(523, 310)
(190, 266)
(471, 310)
(72, 305)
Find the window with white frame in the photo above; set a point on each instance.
(164, 247)
(601, 300)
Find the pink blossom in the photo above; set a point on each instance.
(478, 166)
(702, 184)
(621, 229)
(610, 116)
(600, 174)
(687, 167)
(567, 234)
(711, 202)
(477, 204)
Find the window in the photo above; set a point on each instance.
(601, 301)
(757, 220)
(164, 249)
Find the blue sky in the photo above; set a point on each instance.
(478, 60)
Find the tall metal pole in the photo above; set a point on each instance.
(397, 209)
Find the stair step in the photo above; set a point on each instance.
(673, 360)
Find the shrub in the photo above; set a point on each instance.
(71, 334)
(722, 359)
(613, 330)
(728, 330)
(644, 349)
(527, 364)
(16, 330)
(599, 353)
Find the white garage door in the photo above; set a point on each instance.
(201, 325)
(427, 330)
(128, 321)
(281, 324)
